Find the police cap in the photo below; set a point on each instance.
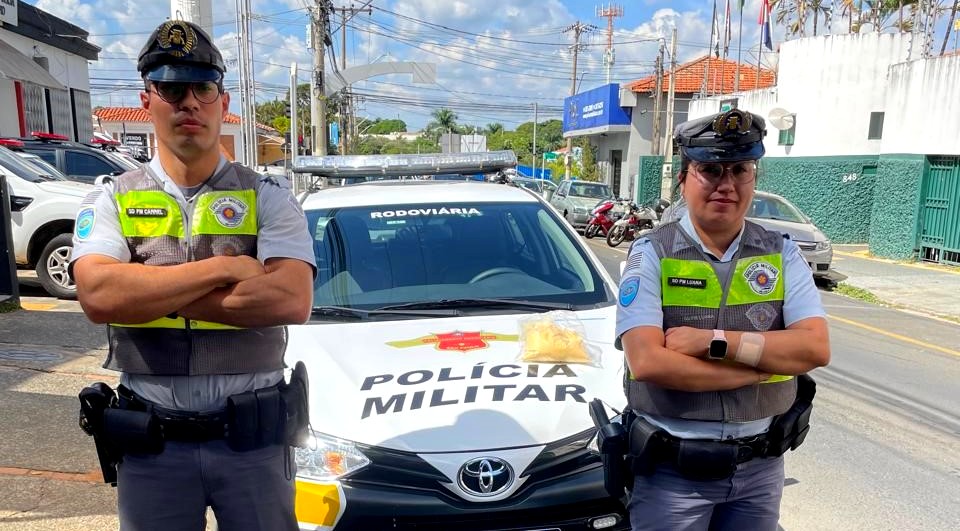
(180, 51)
(728, 136)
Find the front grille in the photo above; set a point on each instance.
(570, 517)
(823, 267)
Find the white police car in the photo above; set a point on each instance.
(422, 417)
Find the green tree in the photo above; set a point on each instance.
(444, 121)
(383, 127)
(281, 124)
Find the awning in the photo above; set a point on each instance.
(14, 65)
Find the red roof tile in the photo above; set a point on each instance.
(721, 76)
(139, 114)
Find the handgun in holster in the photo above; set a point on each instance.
(95, 400)
(788, 431)
(612, 443)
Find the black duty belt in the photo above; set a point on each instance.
(185, 426)
(747, 447)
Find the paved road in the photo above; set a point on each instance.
(884, 448)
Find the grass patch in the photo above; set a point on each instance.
(858, 293)
(8, 307)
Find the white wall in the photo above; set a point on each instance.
(69, 69)
(9, 118)
(923, 108)
(832, 84)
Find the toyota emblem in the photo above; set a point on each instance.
(485, 476)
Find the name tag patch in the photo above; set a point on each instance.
(140, 212)
(681, 282)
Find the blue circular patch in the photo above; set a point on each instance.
(628, 290)
(85, 220)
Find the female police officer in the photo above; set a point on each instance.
(715, 317)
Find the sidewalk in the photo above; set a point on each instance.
(927, 288)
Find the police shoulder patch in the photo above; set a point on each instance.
(86, 218)
(628, 290)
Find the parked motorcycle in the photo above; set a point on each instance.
(601, 219)
(638, 218)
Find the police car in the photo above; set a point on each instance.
(422, 416)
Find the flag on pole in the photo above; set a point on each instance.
(726, 30)
(715, 31)
(764, 21)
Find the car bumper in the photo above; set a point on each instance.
(567, 503)
(579, 219)
(819, 261)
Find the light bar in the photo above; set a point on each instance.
(108, 142)
(10, 142)
(47, 136)
(403, 165)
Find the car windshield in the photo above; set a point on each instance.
(375, 257)
(593, 190)
(120, 160)
(530, 185)
(43, 166)
(22, 168)
(775, 208)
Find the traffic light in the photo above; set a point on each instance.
(286, 109)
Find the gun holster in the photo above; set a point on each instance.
(272, 415)
(788, 431)
(612, 443)
(95, 401)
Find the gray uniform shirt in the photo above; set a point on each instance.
(282, 233)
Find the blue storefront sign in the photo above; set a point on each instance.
(595, 111)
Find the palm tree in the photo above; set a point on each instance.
(819, 8)
(444, 120)
(494, 128)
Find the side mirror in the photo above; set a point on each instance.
(103, 179)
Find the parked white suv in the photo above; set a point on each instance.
(43, 210)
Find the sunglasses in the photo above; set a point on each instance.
(713, 172)
(174, 92)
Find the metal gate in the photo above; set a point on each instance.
(940, 211)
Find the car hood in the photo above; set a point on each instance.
(584, 202)
(452, 384)
(804, 232)
(66, 187)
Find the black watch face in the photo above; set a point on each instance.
(718, 349)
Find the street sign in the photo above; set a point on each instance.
(549, 155)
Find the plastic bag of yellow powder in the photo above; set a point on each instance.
(555, 337)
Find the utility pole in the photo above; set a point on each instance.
(318, 103)
(346, 112)
(666, 178)
(578, 29)
(610, 12)
(658, 103)
(248, 113)
(294, 140)
(535, 118)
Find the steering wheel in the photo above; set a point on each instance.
(494, 271)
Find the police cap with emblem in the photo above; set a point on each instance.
(180, 51)
(729, 136)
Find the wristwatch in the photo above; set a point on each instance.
(718, 346)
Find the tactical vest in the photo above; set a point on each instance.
(223, 222)
(745, 294)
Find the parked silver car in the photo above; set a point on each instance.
(776, 213)
(575, 199)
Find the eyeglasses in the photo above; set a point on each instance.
(713, 172)
(174, 92)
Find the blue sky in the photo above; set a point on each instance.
(494, 57)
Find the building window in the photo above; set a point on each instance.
(876, 126)
(787, 135)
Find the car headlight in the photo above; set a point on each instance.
(594, 444)
(328, 458)
(823, 245)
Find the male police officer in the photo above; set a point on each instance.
(196, 264)
(719, 320)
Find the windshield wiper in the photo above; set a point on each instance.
(481, 303)
(357, 313)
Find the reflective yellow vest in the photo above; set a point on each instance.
(222, 221)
